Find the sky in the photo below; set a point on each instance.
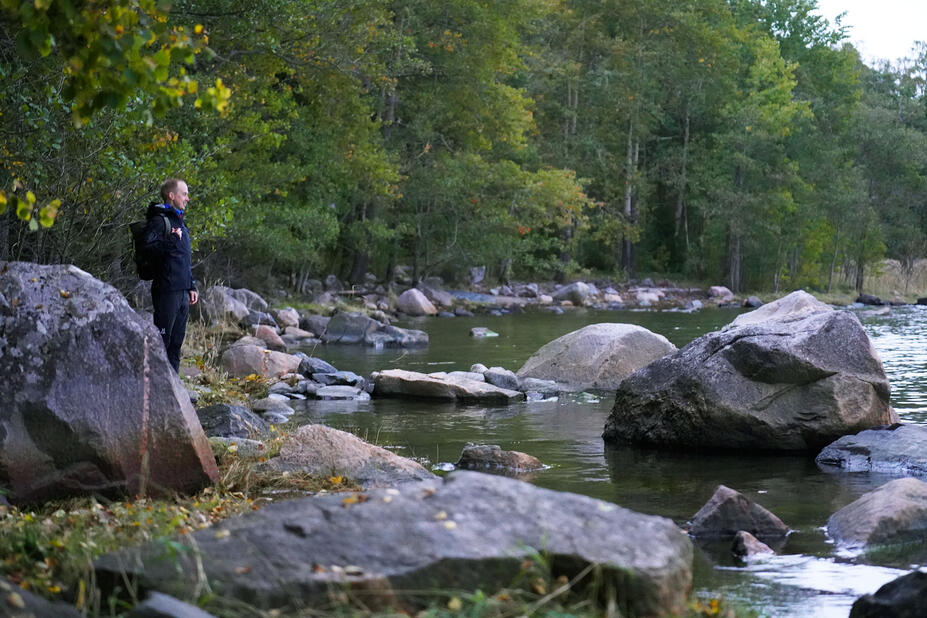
(880, 29)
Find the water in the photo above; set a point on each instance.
(807, 578)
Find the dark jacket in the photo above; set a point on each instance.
(172, 254)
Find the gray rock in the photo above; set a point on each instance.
(332, 284)
(470, 532)
(15, 602)
(447, 314)
(341, 393)
(414, 302)
(753, 302)
(349, 327)
(275, 418)
(216, 305)
(893, 513)
(271, 404)
(536, 385)
(462, 312)
(905, 597)
(896, 449)
(396, 382)
(576, 293)
(315, 324)
(436, 295)
(243, 360)
(719, 292)
(478, 368)
(467, 375)
(313, 364)
(347, 378)
(477, 274)
(227, 421)
(89, 403)
(771, 380)
(393, 336)
(476, 456)
(159, 605)
(501, 377)
(693, 305)
(255, 318)
(596, 356)
(269, 336)
(249, 299)
(244, 447)
(795, 306)
(729, 512)
(747, 546)
(480, 332)
(287, 317)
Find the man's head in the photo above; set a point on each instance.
(174, 192)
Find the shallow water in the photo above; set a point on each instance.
(807, 578)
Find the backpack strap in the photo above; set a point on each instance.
(167, 226)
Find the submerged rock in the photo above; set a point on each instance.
(747, 546)
(476, 456)
(729, 512)
(794, 375)
(894, 449)
(397, 382)
(89, 403)
(470, 532)
(596, 356)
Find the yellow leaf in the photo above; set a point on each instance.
(335, 480)
(221, 534)
(198, 29)
(455, 604)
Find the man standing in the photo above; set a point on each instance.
(172, 289)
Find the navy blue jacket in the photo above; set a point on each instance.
(172, 254)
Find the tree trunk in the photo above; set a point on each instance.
(627, 247)
(681, 218)
(734, 262)
(833, 260)
(860, 270)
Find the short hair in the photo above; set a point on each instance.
(168, 187)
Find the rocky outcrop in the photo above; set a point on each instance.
(470, 532)
(893, 513)
(894, 449)
(243, 360)
(476, 456)
(729, 512)
(795, 380)
(397, 382)
(414, 302)
(89, 402)
(596, 356)
(905, 597)
(323, 451)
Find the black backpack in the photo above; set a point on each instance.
(145, 263)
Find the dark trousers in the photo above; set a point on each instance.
(170, 317)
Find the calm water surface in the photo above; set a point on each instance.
(807, 578)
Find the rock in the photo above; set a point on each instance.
(255, 318)
(249, 299)
(297, 333)
(576, 293)
(478, 368)
(159, 605)
(346, 378)
(397, 382)
(287, 317)
(466, 375)
(323, 451)
(89, 403)
(315, 324)
(470, 532)
(243, 360)
(140, 296)
(893, 513)
(790, 383)
(869, 299)
(795, 306)
(393, 336)
(436, 295)
(922, 301)
(243, 447)
(721, 293)
(501, 377)
(447, 314)
(646, 298)
(270, 338)
(905, 597)
(216, 305)
(480, 332)
(271, 404)
(475, 456)
(414, 302)
(462, 312)
(747, 546)
(896, 449)
(729, 512)
(612, 299)
(249, 340)
(753, 302)
(341, 393)
(545, 299)
(536, 385)
(349, 327)
(332, 284)
(693, 304)
(309, 365)
(16, 602)
(596, 356)
(227, 421)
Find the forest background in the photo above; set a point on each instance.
(734, 141)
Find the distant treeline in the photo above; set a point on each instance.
(736, 141)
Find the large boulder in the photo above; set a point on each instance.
(227, 421)
(471, 531)
(905, 597)
(357, 328)
(243, 360)
(414, 302)
(729, 512)
(596, 356)
(17, 602)
(895, 449)
(793, 382)
(217, 305)
(323, 451)
(401, 383)
(893, 513)
(437, 296)
(251, 300)
(270, 337)
(89, 403)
